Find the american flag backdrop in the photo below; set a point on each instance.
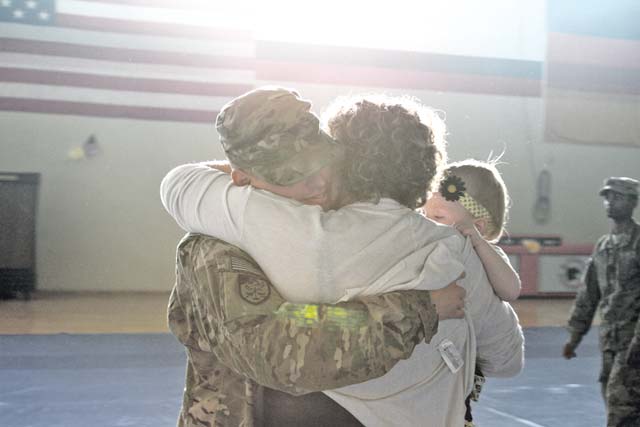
(181, 60)
(592, 92)
(155, 60)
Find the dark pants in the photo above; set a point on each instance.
(279, 409)
(621, 390)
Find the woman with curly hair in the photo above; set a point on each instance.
(374, 242)
(394, 148)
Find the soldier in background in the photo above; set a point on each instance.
(612, 281)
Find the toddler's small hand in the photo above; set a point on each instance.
(469, 230)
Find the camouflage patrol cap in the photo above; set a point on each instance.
(271, 134)
(622, 185)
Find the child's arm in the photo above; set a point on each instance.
(504, 280)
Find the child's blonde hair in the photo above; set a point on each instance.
(485, 185)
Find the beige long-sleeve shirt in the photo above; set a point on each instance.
(362, 249)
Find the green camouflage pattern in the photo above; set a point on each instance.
(620, 184)
(612, 280)
(620, 389)
(238, 331)
(271, 134)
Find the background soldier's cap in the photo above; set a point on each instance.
(622, 185)
(271, 134)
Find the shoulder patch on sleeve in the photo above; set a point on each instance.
(253, 289)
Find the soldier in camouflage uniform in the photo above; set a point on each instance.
(239, 332)
(612, 281)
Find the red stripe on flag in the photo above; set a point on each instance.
(150, 28)
(125, 55)
(395, 78)
(588, 78)
(164, 4)
(58, 78)
(105, 110)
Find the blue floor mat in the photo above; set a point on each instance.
(90, 380)
(137, 379)
(551, 391)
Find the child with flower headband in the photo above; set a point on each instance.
(473, 198)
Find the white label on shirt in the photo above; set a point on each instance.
(450, 355)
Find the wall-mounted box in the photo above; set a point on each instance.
(547, 266)
(18, 206)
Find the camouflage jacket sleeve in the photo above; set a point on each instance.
(635, 343)
(233, 312)
(585, 305)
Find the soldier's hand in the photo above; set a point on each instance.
(449, 301)
(569, 351)
(633, 355)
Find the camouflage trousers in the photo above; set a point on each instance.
(621, 390)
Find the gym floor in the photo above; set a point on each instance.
(107, 359)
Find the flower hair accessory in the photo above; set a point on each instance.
(452, 188)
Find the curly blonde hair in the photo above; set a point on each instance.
(394, 147)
